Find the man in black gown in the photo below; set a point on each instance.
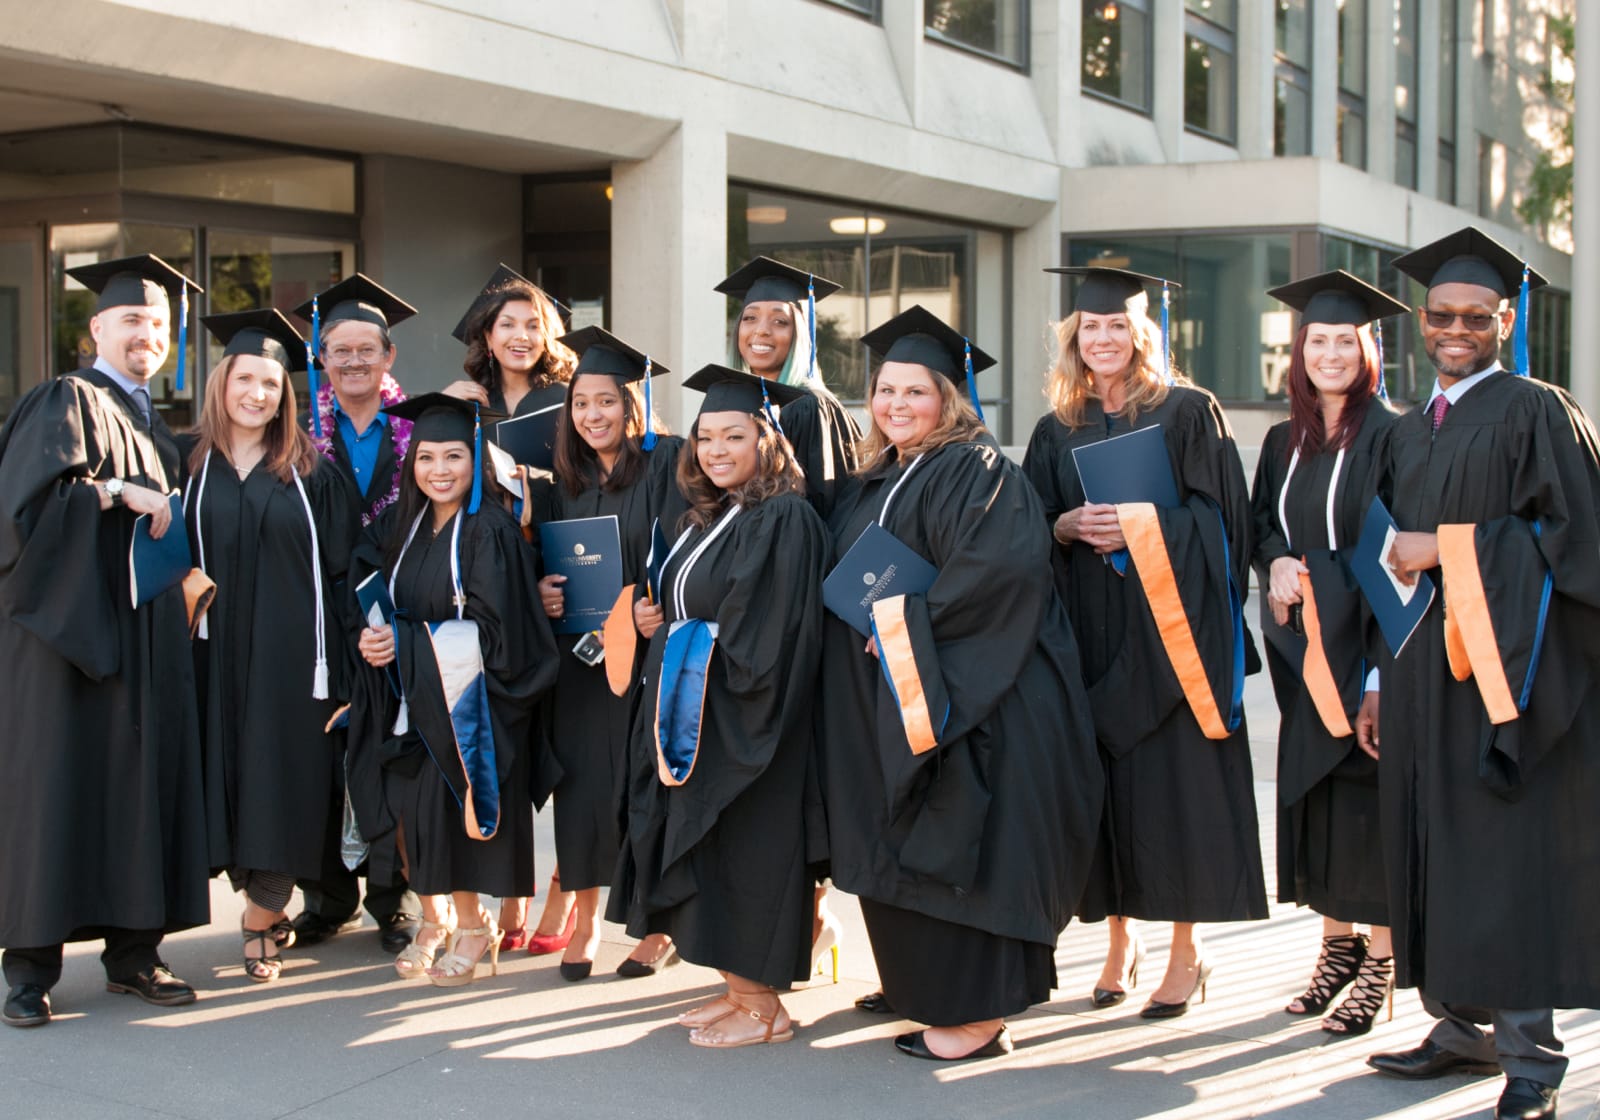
(357, 353)
(102, 830)
(1489, 714)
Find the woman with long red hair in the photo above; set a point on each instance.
(1314, 482)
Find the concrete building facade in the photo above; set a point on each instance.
(624, 153)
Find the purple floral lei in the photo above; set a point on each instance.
(389, 392)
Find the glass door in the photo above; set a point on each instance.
(22, 314)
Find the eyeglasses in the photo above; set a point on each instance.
(344, 356)
(1439, 320)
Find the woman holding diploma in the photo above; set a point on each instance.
(447, 759)
(716, 853)
(1315, 479)
(960, 774)
(268, 521)
(1178, 841)
(604, 469)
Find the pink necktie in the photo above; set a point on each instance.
(1441, 405)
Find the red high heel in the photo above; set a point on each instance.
(543, 944)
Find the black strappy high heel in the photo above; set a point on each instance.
(1337, 965)
(1374, 985)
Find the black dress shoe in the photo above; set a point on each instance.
(1524, 1099)
(876, 1004)
(1428, 1061)
(915, 1045)
(312, 929)
(156, 985)
(1107, 997)
(396, 931)
(27, 1005)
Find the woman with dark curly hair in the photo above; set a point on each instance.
(716, 854)
(516, 362)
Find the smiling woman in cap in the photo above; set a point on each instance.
(960, 771)
(516, 362)
(1155, 599)
(1314, 481)
(716, 854)
(450, 760)
(268, 521)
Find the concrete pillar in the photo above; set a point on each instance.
(1380, 88)
(1035, 305)
(1586, 216)
(1325, 80)
(903, 24)
(1430, 31)
(669, 247)
(1255, 54)
(1467, 71)
(1166, 92)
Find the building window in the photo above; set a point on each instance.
(995, 28)
(1117, 51)
(872, 9)
(1208, 53)
(1352, 110)
(886, 261)
(1450, 20)
(1291, 116)
(1405, 93)
(1222, 316)
(1550, 336)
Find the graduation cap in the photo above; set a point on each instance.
(917, 335)
(600, 351)
(504, 276)
(358, 298)
(1470, 256)
(764, 279)
(142, 281)
(265, 333)
(1339, 299)
(1113, 291)
(733, 390)
(438, 418)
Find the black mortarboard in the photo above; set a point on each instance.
(732, 390)
(918, 335)
(1108, 291)
(1468, 256)
(357, 297)
(503, 275)
(142, 281)
(600, 351)
(439, 418)
(1337, 298)
(766, 279)
(265, 333)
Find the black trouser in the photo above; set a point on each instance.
(336, 894)
(127, 953)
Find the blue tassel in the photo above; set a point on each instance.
(766, 406)
(183, 334)
(477, 460)
(1519, 336)
(312, 380)
(811, 323)
(1377, 341)
(649, 440)
(1166, 345)
(972, 379)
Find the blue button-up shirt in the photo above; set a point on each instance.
(363, 446)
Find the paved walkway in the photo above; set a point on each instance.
(340, 1037)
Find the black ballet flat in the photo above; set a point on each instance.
(875, 1003)
(917, 1047)
(576, 970)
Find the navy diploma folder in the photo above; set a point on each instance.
(588, 551)
(155, 566)
(657, 560)
(377, 609)
(877, 566)
(531, 439)
(1397, 607)
(1128, 468)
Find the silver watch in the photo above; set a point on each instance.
(114, 490)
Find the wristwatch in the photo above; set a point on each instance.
(114, 491)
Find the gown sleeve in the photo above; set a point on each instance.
(53, 581)
(823, 438)
(1271, 542)
(329, 495)
(372, 698)
(1522, 592)
(1039, 464)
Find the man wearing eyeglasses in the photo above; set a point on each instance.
(1489, 734)
(351, 322)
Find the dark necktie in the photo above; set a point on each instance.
(1441, 405)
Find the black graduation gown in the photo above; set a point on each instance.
(824, 436)
(589, 724)
(396, 779)
(270, 765)
(1488, 828)
(1178, 837)
(992, 829)
(1330, 854)
(720, 862)
(361, 507)
(101, 819)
